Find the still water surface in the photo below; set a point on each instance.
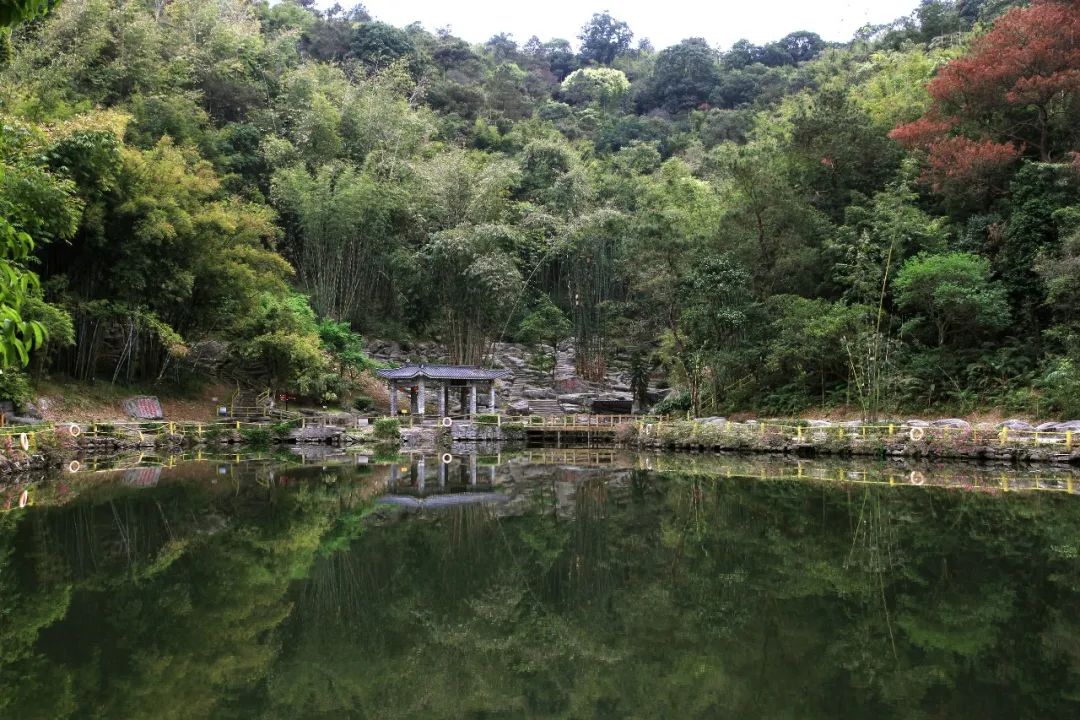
(554, 584)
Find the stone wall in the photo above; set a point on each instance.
(952, 439)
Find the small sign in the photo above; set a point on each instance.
(283, 397)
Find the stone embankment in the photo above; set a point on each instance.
(1012, 440)
(45, 446)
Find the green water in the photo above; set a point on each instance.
(545, 586)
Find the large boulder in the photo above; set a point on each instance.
(1013, 424)
(951, 423)
(613, 404)
(570, 385)
(518, 408)
(144, 407)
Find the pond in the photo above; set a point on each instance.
(542, 584)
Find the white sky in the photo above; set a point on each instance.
(664, 22)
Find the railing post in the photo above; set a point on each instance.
(1068, 440)
(1004, 435)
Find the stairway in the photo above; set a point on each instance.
(545, 407)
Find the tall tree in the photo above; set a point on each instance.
(685, 76)
(604, 38)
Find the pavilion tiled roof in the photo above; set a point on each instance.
(442, 372)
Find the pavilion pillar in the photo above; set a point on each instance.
(463, 401)
(393, 398)
(421, 472)
(442, 400)
(491, 397)
(472, 400)
(421, 397)
(472, 469)
(412, 401)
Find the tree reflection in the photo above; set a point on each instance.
(608, 595)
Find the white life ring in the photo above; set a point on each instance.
(916, 478)
(916, 433)
(74, 466)
(447, 458)
(24, 499)
(74, 430)
(24, 441)
(447, 421)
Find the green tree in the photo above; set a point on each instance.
(954, 293)
(604, 38)
(685, 76)
(545, 324)
(604, 86)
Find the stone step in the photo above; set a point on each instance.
(545, 407)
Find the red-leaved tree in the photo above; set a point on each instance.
(1017, 92)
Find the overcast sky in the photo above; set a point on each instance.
(664, 22)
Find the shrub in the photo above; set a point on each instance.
(256, 435)
(282, 429)
(487, 419)
(363, 403)
(15, 386)
(626, 433)
(387, 429)
(674, 404)
(1061, 386)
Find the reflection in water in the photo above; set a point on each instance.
(548, 584)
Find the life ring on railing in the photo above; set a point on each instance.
(74, 466)
(447, 458)
(24, 499)
(916, 433)
(74, 430)
(24, 441)
(447, 421)
(916, 478)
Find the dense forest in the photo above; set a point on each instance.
(891, 222)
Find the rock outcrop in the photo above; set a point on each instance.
(543, 392)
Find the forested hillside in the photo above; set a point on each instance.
(892, 222)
